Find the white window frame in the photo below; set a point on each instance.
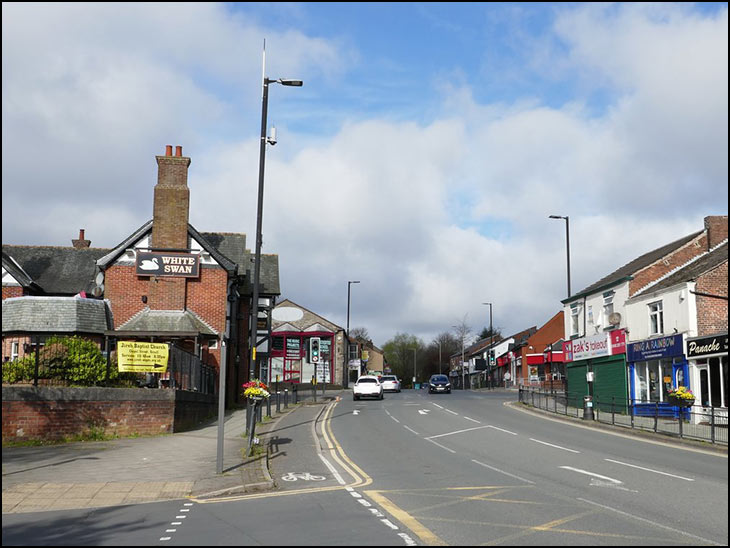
(656, 318)
(575, 320)
(608, 306)
(14, 350)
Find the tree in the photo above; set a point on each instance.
(489, 332)
(399, 355)
(359, 333)
(438, 352)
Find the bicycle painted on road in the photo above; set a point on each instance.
(291, 476)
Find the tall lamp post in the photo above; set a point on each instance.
(259, 211)
(346, 371)
(463, 372)
(414, 366)
(567, 243)
(491, 342)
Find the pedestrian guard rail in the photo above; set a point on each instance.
(706, 423)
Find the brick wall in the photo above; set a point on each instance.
(10, 291)
(54, 413)
(661, 267)
(712, 312)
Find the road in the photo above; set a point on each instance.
(442, 469)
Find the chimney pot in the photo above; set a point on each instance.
(81, 233)
(178, 151)
(168, 150)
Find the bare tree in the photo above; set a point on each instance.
(463, 333)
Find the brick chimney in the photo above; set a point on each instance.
(81, 243)
(171, 202)
(716, 228)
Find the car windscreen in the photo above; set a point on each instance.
(439, 378)
(389, 378)
(367, 380)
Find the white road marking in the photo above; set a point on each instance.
(423, 411)
(355, 412)
(333, 470)
(389, 524)
(649, 470)
(472, 420)
(502, 472)
(633, 516)
(450, 411)
(456, 432)
(411, 430)
(556, 446)
(441, 446)
(437, 405)
(502, 430)
(587, 473)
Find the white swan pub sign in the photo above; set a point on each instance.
(185, 265)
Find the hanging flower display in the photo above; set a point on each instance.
(255, 390)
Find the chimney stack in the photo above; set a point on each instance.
(716, 228)
(81, 243)
(171, 201)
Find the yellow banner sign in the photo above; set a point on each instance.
(142, 357)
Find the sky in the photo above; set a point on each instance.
(422, 157)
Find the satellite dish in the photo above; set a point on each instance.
(98, 291)
(614, 318)
(99, 278)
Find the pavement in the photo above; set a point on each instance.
(148, 469)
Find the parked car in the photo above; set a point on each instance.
(367, 386)
(439, 383)
(390, 382)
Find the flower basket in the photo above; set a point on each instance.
(256, 391)
(681, 397)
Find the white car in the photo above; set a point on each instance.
(390, 382)
(367, 386)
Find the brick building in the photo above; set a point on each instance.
(164, 282)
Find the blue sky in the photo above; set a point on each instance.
(422, 156)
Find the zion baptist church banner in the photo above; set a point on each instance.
(142, 357)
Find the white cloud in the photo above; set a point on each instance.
(433, 217)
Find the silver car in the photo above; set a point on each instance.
(390, 383)
(367, 386)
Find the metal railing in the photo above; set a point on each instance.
(696, 422)
(52, 360)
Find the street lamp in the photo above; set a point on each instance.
(463, 372)
(347, 357)
(491, 342)
(567, 243)
(414, 365)
(259, 211)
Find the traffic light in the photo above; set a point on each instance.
(491, 357)
(314, 350)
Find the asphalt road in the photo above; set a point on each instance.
(463, 469)
(442, 469)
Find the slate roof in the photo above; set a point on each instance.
(690, 271)
(57, 270)
(56, 315)
(631, 268)
(167, 321)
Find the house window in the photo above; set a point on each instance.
(14, 349)
(656, 318)
(574, 316)
(213, 344)
(608, 306)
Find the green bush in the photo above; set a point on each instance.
(19, 370)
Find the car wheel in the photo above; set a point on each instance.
(354, 397)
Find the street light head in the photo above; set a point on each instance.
(556, 217)
(290, 82)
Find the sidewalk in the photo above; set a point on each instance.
(135, 470)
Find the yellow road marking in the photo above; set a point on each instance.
(406, 519)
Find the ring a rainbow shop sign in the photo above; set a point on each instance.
(142, 357)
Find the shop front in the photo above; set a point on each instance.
(292, 359)
(656, 367)
(596, 366)
(707, 357)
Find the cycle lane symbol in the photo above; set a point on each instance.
(306, 476)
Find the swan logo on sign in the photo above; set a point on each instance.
(185, 265)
